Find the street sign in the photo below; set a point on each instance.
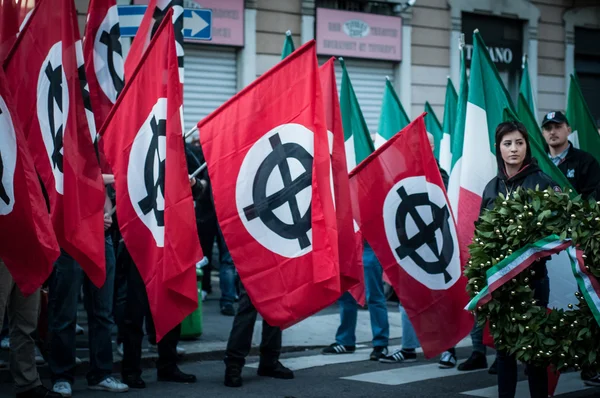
(197, 23)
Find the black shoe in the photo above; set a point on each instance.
(228, 310)
(233, 376)
(476, 361)
(39, 392)
(399, 356)
(378, 352)
(134, 382)
(336, 348)
(588, 374)
(277, 372)
(175, 376)
(493, 370)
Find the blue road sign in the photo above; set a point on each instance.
(197, 23)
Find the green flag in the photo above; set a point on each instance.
(433, 126)
(525, 89)
(450, 112)
(538, 144)
(358, 141)
(393, 117)
(288, 45)
(581, 120)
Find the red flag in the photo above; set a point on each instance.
(154, 201)
(103, 57)
(153, 16)
(351, 266)
(103, 63)
(12, 13)
(28, 245)
(405, 216)
(46, 76)
(268, 160)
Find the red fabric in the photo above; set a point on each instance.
(141, 40)
(296, 279)
(12, 14)
(49, 40)
(351, 266)
(101, 62)
(164, 255)
(28, 245)
(433, 303)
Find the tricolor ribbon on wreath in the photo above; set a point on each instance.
(521, 259)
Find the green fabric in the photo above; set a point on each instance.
(393, 117)
(288, 45)
(433, 126)
(538, 145)
(450, 109)
(525, 88)
(458, 134)
(353, 121)
(581, 120)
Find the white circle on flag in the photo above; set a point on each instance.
(279, 221)
(53, 110)
(108, 57)
(145, 171)
(421, 232)
(8, 160)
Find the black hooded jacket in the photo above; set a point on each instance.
(529, 177)
(583, 172)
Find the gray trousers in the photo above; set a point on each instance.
(22, 320)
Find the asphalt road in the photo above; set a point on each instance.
(320, 376)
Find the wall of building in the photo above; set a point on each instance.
(273, 19)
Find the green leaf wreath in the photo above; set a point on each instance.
(562, 338)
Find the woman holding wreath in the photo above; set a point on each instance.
(517, 168)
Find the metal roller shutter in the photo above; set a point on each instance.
(210, 80)
(368, 80)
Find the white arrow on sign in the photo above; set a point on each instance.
(194, 23)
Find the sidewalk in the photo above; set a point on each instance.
(316, 331)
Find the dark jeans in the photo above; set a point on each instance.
(507, 364)
(240, 338)
(65, 285)
(136, 309)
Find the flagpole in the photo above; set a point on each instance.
(189, 133)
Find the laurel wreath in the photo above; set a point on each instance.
(565, 339)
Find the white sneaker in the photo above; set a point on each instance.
(447, 360)
(180, 351)
(5, 343)
(39, 358)
(110, 384)
(63, 388)
(120, 349)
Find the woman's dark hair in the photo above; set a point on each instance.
(505, 128)
(508, 127)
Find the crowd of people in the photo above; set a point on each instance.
(122, 302)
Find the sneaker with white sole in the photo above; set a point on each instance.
(335, 349)
(447, 360)
(110, 384)
(5, 343)
(63, 388)
(399, 356)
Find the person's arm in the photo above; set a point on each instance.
(107, 211)
(199, 186)
(589, 179)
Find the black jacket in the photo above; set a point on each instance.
(529, 177)
(583, 172)
(204, 206)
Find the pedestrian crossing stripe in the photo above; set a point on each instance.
(567, 383)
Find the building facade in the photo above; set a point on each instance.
(416, 47)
